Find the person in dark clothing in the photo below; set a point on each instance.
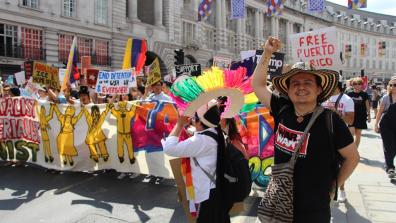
(315, 179)
(362, 108)
(385, 123)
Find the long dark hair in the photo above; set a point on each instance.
(233, 132)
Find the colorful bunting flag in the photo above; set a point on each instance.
(237, 9)
(356, 4)
(135, 54)
(315, 5)
(274, 7)
(204, 9)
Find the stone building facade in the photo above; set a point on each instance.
(43, 29)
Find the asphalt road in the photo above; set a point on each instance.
(30, 194)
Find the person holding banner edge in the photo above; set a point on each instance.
(305, 88)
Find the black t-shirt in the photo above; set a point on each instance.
(314, 170)
(360, 104)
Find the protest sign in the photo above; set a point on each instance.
(45, 75)
(275, 64)
(222, 62)
(188, 69)
(10, 79)
(28, 66)
(92, 76)
(319, 48)
(154, 73)
(113, 82)
(20, 77)
(85, 64)
(62, 73)
(133, 81)
(31, 88)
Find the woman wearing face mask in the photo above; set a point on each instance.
(385, 123)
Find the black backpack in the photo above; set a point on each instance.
(237, 180)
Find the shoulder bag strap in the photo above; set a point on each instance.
(211, 177)
(338, 100)
(315, 115)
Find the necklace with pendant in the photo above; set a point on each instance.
(300, 117)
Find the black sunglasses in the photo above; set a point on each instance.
(392, 85)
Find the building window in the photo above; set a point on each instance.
(8, 40)
(30, 3)
(101, 12)
(84, 46)
(250, 22)
(188, 32)
(32, 43)
(69, 8)
(230, 23)
(64, 43)
(101, 52)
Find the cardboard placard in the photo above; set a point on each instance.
(92, 76)
(45, 75)
(222, 62)
(20, 77)
(318, 47)
(154, 74)
(28, 67)
(188, 69)
(113, 82)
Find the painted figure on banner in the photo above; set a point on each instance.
(95, 138)
(65, 139)
(124, 116)
(44, 127)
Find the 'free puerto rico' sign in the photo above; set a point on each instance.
(318, 47)
(113, 82)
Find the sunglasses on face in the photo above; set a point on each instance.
(392, 85)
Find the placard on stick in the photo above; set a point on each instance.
(318, 47)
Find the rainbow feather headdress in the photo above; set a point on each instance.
(190, 93)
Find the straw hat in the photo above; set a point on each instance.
(328, 83)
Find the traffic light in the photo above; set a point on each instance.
(179, 56)
(362, 72)
(348, 50)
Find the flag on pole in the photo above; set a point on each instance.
(155, 73)
(71, 74)
(356, 4)
(315, 5)
(204, 9)
(135, 54)
(237, 9)
(274, 7)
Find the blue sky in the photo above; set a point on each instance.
(380, 6)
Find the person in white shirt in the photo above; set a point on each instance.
(203, 151)
(344, 106)
(154, 92)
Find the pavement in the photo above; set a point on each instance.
(31, 194)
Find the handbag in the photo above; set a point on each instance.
(276, 205)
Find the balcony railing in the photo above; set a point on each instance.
(23, 52)
(100, 60)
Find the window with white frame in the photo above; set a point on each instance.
(188, 32)
(32, 43)
(30, 3)
(250, 21)
(69, 8)
(101, 11)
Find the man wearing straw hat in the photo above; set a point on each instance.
(302, 89)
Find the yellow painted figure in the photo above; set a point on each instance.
(124, 117)
(44, 126)
(65, 139)
(95, 137)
